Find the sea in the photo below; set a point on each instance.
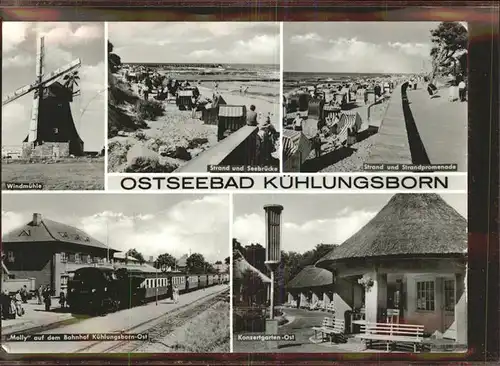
(210, 71)
(292, 80)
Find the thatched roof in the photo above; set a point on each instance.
(408, 225)
(240, 266)
(311, 276)
(51, 231)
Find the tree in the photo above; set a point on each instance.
(450, 41)
(253, 290)
(70, 80)
(218, 262)
(195, 263)
(114, 61)
(165, 261)
(135, 254)
(208, 268)
(227, 261)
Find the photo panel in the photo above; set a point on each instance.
(350, 273)
(194, 97)
(115, 273)
(375, 96)
(53, 105)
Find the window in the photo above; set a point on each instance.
(56, 131)
(10, 256)
(63, 257)
(64, 280)
(71, 258)
(77, 258)
(425, 296)
(89, 259)
(449, 295)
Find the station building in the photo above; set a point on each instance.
(47, 252)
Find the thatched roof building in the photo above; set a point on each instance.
(310, 277)
(240, 266)
(408, 225)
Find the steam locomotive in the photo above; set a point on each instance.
(98, 290)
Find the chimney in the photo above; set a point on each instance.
(273, 235)
(37, 219)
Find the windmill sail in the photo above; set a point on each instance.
(32, 134)
(46, 81)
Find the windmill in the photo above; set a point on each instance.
(52, 131)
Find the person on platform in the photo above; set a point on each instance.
(62, 299)
(39, 294)
(18, 302)
(176, 294)
(252, 116)
(24, 294)
(47, 298)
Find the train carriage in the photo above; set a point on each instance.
(192, 283)
(202, 281)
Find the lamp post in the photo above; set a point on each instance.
(273, 258)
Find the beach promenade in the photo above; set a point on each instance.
(424, 131)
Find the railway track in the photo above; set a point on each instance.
(160, 326)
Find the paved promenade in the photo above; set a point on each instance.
(442, 126)
(430, 130)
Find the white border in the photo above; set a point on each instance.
(281, 101)
(106, 89)
(231, 214)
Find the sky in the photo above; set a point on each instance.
(196, 42)
(357, 47)
(151, 223)
(64, 42)
(310, 219)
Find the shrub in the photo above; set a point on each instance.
(149, 109)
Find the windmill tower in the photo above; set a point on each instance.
(52, 131)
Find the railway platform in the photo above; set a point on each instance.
(134, 320)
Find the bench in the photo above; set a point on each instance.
(391, 333)
(330, 328)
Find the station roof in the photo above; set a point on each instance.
(408, 225)
(311, 276)
(45, 230)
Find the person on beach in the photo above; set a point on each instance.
(252, 116)
(461, 90)
(297, 122)
(316, 144)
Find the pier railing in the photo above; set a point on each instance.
(239, 148)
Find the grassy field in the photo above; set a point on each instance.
(67, 175)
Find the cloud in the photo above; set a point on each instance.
(353, 55)
(18, 60)
(15, 116)
(221, 42)
(13, 33)
(412, 49)
(200, 225)
(65, 34)
(11, 220)
(302, 237)
(309, 37)
(260, 45)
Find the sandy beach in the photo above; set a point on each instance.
(184, 132)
